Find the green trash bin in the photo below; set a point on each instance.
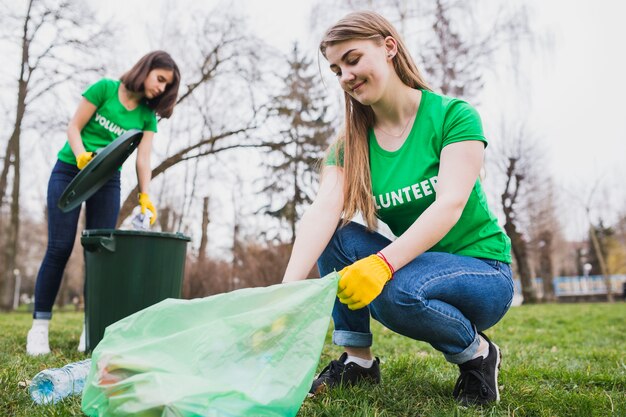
(127, 271)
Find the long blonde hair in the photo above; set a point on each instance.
(353, 138)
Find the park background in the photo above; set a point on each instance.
(236, 166)
(237, 163)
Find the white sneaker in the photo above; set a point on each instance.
(81, 342)
(37, 341)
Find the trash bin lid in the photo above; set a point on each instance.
(99, 170)
(117, 232)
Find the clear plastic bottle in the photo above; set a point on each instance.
(52, 385)
(141, 221)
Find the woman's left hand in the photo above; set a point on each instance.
(146, 204)
(363, 281)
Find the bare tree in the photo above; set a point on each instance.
(222, 62)
(514, 180)
(545, 233)
(54, 41)
(457, 58)
(518, 159)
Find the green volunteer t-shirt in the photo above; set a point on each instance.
(110, 120)
(404, 181)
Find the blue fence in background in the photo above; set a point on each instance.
(578, 286)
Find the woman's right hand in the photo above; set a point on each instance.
(83, 159)
(363, 281)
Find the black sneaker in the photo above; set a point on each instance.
(338, 373)
(478, 382)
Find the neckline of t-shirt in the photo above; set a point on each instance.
(117, 97)
(374, 142)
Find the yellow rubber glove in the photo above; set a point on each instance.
(145, 203)
(83, 159)
(363, 281)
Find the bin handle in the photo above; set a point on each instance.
(93, 243)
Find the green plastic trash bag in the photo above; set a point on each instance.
(251, 352)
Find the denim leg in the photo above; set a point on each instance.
(445, 299)
(103, 207)
(61, 236)
(349, 244)
(440, 298)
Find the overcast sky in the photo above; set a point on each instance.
(572, 93)
(576, 92)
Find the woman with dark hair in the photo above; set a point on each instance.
(411, 158)
(108, 109)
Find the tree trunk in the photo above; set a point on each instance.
(518, 244)
(8, 162)
(12, 159)
(294, 214)
(546, 267)
(22, 89)
(520, 253)
(205, 224)
(603, 267)
(6, 270)
(10, 260)
(234, 269)
(165, 219)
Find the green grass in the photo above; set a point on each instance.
(16, 367)
(559, 360)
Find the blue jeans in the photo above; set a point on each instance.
(439, 298)
(102, 211)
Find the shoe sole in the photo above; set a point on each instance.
(321, 388)
(36, 352)
(498, 363)
(39, 353)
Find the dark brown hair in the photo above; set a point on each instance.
(133, 79)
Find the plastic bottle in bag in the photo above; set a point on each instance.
(52, 385)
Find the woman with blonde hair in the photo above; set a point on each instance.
(411, 158)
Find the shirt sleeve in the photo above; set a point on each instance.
(462, 122)
(151, 123)
(96, 93)
(332, 155)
